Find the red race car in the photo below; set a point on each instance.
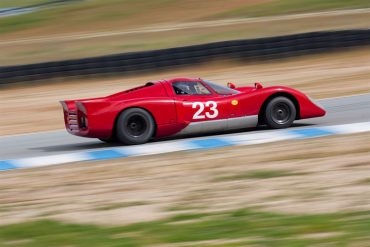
(184, 106)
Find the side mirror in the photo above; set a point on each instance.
(258, 85)
(231, 85)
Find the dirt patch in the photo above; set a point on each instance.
(36, 108)
(156, 186)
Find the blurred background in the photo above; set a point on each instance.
(288, 193)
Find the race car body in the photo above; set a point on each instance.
(184, 106)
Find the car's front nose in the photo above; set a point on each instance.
(314, 108)
(316, 102)
(310, 108)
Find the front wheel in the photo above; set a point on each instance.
(280, 113)
(135, 126)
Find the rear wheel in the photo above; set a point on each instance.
(135, 126)
(280, 113)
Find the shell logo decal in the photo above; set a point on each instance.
(234, 102)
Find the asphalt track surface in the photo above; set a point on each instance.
(343, 110)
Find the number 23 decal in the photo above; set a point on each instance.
(201, 114)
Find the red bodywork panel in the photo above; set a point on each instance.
(171, 112)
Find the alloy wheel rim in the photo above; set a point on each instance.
(136, 125)
(281, 113)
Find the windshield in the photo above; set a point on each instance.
(221, 89)
(190, 88)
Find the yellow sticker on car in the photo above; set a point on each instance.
(234, 102)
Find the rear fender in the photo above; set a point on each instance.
(162, 111)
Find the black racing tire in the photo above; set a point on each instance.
(280, 113)
(135, 126)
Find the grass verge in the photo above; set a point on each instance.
(281, 7)
(86, 14)
(259, 174)
(19, 3)
(99, 27)
(232, 228)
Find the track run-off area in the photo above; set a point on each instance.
(182, 26)
(345, 115)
